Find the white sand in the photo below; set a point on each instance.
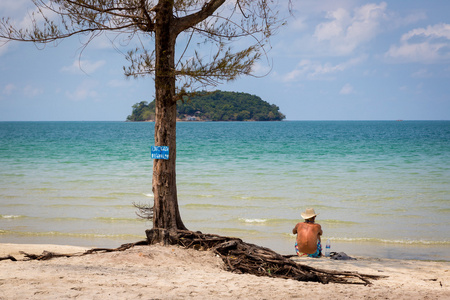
(156, 272)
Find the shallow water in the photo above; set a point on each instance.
(380, 188)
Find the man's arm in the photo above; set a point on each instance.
(294, 231)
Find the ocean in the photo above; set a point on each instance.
(381, 188)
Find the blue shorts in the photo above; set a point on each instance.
(316, 254)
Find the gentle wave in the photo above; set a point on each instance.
(262, 221)
(378, 241)
(74, 219)
(381, 215)
(102, 198)
(44, 189)
(253, 220)
(66, 198)
(387, 241)
(9, 197)
(12, 175)
(11, 216)
(115, 220)
(256, 198)
(337, 222)
(202, 184)
(86, 206)
(47, 220)
(122, 194)
(318, 208)
(14, 205)
(196, 196)
(68, 205)
(215, 206)
(69, 234)
(330, 223)
(229, 231)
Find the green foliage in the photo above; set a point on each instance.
(142, 111)
(216, 106)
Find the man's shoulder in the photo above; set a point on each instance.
(316, 225)
(305, 224)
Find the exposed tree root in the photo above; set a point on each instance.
(121, 248)
(238, 256)
(241, 257)
(46, 255)
(8, 257)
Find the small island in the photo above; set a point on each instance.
(214, 106)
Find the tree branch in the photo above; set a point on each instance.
(181, 24)
(150, 25)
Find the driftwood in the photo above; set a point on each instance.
(241, 257)
(46, 255)
(121, 248)
(8, 257)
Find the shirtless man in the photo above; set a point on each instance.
(308, 235)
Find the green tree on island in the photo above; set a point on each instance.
(207, 23)
(215, 106)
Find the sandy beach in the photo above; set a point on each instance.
(157, 272)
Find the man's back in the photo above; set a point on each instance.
(307, 236)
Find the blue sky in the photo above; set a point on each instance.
(335, 60)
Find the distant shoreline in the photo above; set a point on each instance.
(126, 121)
(203, 121)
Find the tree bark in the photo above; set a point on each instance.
(166, 213)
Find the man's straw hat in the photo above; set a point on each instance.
(308, 214)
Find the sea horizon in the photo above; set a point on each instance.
(285, 120)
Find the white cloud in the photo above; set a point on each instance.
(335, 28)
(347, 89)
(86, 90)
(423, 45)
(23, 14)
(3, 47)
(436, 31)
(314, 6)
(8, 7)
(317, 70)
(297, 24)
(260, 69)
(8, 89)
(116, 83)
(35, 16)
(31, 91)
(83, 66)
(348, 30)
(409, 19)
(422, 73)
(28, 91)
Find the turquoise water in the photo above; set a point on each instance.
(381, 188)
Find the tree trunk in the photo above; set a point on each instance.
(166, 214)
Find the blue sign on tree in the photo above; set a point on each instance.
(160, 152)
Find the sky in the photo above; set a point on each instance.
(334, 60)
